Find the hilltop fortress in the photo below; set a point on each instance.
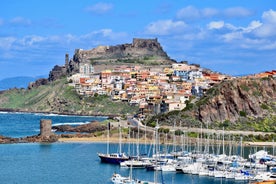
(140, 51)
(146, 52)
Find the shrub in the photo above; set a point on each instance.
(243, 113)
(178, 132)
(264, 106)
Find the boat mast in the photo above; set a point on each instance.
(129, 140)
(273, 148)
(107, 145)
(223, 151)
(137, 146)
(146, 150)
(156, 149)
(174, 141)
(120, 139)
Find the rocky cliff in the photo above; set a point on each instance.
(231, 100)
(243, 104)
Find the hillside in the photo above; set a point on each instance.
(243, 103)
(58, 97)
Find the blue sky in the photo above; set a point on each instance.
(233, 37)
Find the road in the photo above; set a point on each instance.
(135, 122)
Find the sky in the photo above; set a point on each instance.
(232, 37)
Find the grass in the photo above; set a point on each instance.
(61, 98)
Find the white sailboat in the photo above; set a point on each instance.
(118, 179)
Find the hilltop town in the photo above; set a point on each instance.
(140, 79)
(155, 88)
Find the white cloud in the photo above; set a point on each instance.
(100, 8)
(6, 42)
(191, 12)
(237, 12)
(209, 12)
(252, 26)
(268, 27)
(269, 16)
(188, 12)
(221, 25)
(216, 25)
(31, 40)
(104, 34)
(165, 27)
(229, 37)
(21, 21)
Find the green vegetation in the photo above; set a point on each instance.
(264, 106)
(59, 97)
(152, 124)
(243, 113)
(178, 132)
(266, 124)
(163, 130)
(193, 134)
(245, 87)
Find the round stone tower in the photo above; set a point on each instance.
(45, 127)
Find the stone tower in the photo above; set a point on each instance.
(45, 127)
(66, 61)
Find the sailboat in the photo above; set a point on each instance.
(119, 179)
(113, 158)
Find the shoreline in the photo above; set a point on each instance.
(141, 141)
(124, 124)
(8, 110)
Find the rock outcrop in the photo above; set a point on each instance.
(88, 128)
(231, 100)
(37, 83)
(57, 72)
(28, 139)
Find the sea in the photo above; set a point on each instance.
(68, 163)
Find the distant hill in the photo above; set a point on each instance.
(17, 82)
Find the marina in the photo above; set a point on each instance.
(78, 162)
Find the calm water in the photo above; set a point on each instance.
(27, 124)
(71, 163)
(66, 162)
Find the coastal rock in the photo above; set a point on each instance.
(28, 139)
(231, 100)
(87, 128)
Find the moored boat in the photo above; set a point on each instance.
(113, 158)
